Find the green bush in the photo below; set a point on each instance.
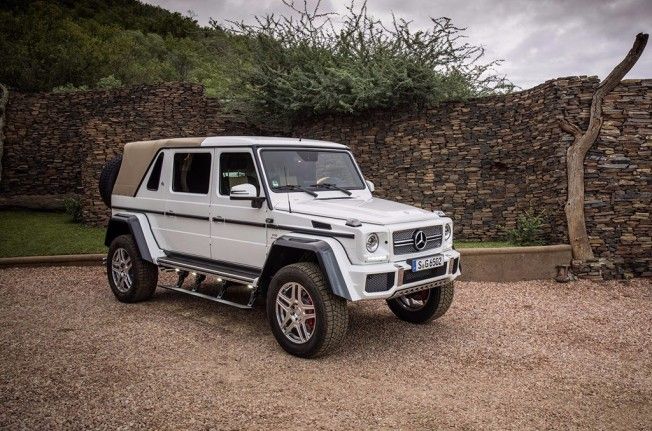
(304, 63)
(108, 82)
(68, 88)
(528, 229)
(285, 67)
(73, 209)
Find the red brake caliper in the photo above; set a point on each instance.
(310, 322)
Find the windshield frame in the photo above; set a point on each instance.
(272, 189)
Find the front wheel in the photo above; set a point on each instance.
(306, 318)
(423, 306)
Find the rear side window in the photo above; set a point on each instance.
(155, 176)
(191, 172)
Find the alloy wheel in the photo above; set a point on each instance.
(295, 312)
(121, 270)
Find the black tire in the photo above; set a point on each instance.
(107, 179)
(143, 274)
(438, 302)
(331, 317)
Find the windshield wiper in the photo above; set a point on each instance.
(332, 187)
(297, 188)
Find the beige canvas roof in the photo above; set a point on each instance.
(137, 157)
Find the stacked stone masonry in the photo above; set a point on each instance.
(483, 161)
(58, 143)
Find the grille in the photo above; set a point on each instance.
(411, 277)
(379, 282)
(404, 243)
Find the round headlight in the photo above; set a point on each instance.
(447, 232)
(372, 242)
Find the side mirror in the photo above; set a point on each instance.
(246, 192)
(371, 186)
(243, 191)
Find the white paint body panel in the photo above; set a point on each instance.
(237, 243)
(208, 233)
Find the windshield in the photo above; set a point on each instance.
(293, 170)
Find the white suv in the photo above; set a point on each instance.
(292, 220)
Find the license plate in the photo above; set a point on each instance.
(427, 263)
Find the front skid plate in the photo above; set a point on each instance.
(414, 289)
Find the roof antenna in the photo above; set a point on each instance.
(300, 138)
(285, 172)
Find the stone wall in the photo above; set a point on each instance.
(483, 161)
(618, 180)
(486, 161)
(58, 143)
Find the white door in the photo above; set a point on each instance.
(238, 230)
(185, 226)
(153, 195)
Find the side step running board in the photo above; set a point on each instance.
(210, 298)
(200, 268)
(206, 267)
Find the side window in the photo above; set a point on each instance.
(191, 172)
(235, 169)
(155, 176)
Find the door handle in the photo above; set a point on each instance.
(218, 219)
(169, 213)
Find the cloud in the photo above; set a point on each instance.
(539, 40)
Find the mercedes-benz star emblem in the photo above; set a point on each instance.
(420, 240)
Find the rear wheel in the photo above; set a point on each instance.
(307, 319)
(423, 306)
(131, 278)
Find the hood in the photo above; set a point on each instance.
(374, 210)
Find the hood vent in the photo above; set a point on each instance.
(320, 225)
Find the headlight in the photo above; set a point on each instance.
(447, 232)
(372, 242)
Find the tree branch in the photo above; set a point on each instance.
(569, 127)
(619, 72)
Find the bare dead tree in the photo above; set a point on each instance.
(582, 142)
(4, 98)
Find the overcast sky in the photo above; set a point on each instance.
(539, 40)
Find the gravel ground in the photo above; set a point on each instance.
(531, 355)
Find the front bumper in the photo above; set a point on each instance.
(400, 284)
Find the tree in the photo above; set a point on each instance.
(582, 143)
(308, 62)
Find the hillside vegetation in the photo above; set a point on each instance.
(50, 44)
(283, 67)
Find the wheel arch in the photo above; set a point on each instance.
(123, 224)
(289, 249)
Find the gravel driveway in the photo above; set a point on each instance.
(506, 356)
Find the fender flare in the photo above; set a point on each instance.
(321, 249)
(121, 224)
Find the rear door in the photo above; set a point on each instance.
(153, 195)
(238, 231)
(185, 226)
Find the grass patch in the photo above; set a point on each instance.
(482, 244)
(29, 233)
